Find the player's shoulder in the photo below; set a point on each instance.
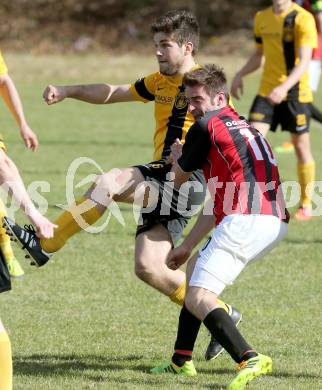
(263, 14)
(155, 79)
(155, 76)
(302, 13)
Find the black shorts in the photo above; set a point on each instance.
(5, 283)
(174, 208)
(293, 116)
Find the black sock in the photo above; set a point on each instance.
(179, 359)
(315, 113)
(188, 329)
(223, 329)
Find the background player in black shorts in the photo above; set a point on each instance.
(285, 36)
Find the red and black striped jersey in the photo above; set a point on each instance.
(238, 164)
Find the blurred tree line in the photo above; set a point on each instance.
(104, 22)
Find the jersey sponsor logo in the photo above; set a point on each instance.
(161, 99)
(181, 101)
(236, 124)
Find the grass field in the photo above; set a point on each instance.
(84, 321)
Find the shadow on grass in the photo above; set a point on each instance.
(302, 241)
(65, 365)
(297, 375)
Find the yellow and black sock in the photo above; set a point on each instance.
(5, 362)
(68, 226)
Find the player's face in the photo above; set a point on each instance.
(199, 101)
(281, 5)
(169, 54)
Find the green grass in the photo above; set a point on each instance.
(84, 321)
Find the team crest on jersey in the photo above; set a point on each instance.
(181, 101)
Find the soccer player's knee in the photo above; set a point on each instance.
(104, 186)
(143, 270)
(190, 301)
(112, 183)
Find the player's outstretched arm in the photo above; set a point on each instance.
(90, 93)
(12, 100)
(254, 62)
(11, 181)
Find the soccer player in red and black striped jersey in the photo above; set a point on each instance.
(249, 211)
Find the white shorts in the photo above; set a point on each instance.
(236, 241)
(315, 73)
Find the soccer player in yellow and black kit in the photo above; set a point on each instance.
(285, 36)
(176, 38)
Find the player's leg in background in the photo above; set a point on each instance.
(306, 173)
(5, 360)
(151, 251)
(262, 127)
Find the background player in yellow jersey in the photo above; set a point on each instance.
(176, 38)
(9, 174)
(285, 36)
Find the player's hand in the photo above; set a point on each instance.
(54, 94)
(237, 87)
(29, 137)
(277, 95)
(176, 151)
(178, 256)
(44, 228)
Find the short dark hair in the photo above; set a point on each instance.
(210, 76)
(182, 24)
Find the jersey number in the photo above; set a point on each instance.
(253, 144)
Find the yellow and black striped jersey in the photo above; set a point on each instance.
(280, 36)
(170, 109)
(3, 66)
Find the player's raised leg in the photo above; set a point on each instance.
(116, 185)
